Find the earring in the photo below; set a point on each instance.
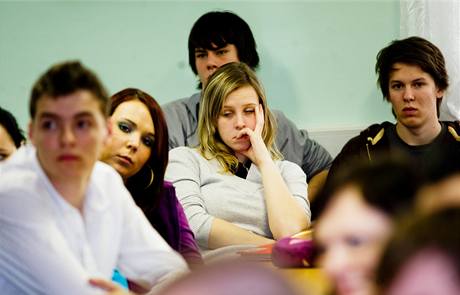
(152, 176)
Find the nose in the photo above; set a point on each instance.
(240, 122)
(212, 61)
(133, 142)
(67, 136)
(408, 94)
(334, 263)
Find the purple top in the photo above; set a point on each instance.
(169, 220)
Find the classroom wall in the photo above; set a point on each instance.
(317, 57)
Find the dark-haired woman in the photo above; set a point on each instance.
(138, 150)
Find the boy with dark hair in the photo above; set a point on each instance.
(218, 38)
(64, 217)
(413, 78)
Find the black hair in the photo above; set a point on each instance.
(216, 29)
(8, 121)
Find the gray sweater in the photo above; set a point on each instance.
(205, 192)
(294, 144)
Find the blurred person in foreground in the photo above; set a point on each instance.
(423, 256)
(64, 217)
(363, 203)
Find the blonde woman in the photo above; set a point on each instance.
(234, 187)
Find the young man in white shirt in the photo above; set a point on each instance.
(64, 217)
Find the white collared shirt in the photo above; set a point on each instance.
(48, 247)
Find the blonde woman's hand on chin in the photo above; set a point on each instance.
(257, 151)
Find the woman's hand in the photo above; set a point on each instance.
(257, 152)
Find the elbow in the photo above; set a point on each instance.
(288, 230)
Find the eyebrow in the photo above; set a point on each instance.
(201, 49)
(56, 116)
(243, 106)
(421, 79)
(135, 125)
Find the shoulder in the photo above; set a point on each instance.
(290, 168)
(372, 134)
(104, 172)
(183, 151)
(453, 128)
(376, 131)
(184, 157)
(22, 182)
(168, 186)
(281, 119)
(108, 182)
(182, 105)
(21, 168)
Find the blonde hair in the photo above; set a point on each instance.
(224, 81)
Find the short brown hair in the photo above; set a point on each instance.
(66, 78)
(413, 51)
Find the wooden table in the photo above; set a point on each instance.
(308, 281)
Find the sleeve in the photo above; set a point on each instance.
(34, 256)
(176, 116)
(188, 246)
(145, 257)
(296, 181)
(296, 146)
(184, 172)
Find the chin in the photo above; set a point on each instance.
(240, 148)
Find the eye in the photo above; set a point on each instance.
(221, 51)
(419, 84)
(148, 141)
(48, 125)
(200, 54)
(3, 157)
(354, 241)
(249, 110)
(396, 86)
(83, 124)
(226, 114)
(125, 127)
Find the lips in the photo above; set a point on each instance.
(242, 138)
(125, 160)
(67, 158)
(409, 111)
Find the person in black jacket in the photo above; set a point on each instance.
(412, 76)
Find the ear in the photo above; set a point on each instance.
(30, 132)
(439, 93)
(109, 126)
(108, 129)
